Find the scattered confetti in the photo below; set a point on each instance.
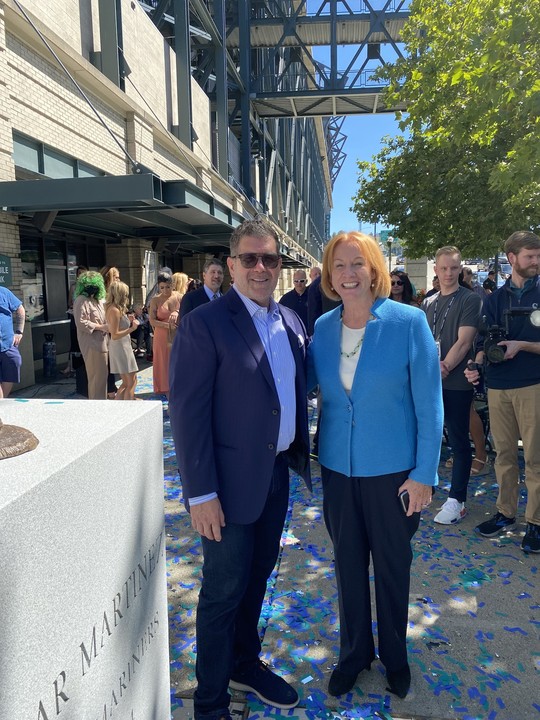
(471, 645)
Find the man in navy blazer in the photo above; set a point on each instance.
(211, 289)
(239, 419)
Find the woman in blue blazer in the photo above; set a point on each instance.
(377, 367)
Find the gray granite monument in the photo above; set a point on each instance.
(82, 564)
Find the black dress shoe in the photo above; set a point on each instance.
(341, 683)
(399, 681)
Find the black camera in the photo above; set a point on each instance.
(493, 351)
(495, 333)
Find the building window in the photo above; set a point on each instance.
(26, 154)
(57, 165)
(39, 159)
(49, 268)
(83, 170)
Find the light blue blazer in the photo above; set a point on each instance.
(393, 418)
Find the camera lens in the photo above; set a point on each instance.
(495, 354)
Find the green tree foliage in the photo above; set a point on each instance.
(467, 170)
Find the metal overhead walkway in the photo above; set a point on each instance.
(281, 75)
(293, 82)
(285, 78)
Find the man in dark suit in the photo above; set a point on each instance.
(318, 304)
(297, 298)
(239, 420)
(211, 289)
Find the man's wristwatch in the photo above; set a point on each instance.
(18, 332)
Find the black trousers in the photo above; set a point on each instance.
(234, 577)
(364, 519)
(457, 409)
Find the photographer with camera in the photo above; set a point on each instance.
(508, 353)
(453, 314)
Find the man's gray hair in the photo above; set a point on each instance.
(258, 227)
(210, 262)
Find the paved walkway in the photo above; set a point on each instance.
(474, 610)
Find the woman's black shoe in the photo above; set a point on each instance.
(399, 681)
(341, 683)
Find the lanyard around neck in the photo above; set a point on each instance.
(436, 334)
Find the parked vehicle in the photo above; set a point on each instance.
(482, 275)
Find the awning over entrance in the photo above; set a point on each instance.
(171, 213)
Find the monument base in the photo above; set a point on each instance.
(82, 561)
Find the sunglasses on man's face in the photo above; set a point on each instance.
(397, 282)
(250, 260)
(299, 281)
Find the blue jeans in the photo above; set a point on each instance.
(457, 408)
(235, 572)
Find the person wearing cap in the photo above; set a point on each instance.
(12, 317)
(490, 284)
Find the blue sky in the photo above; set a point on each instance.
(364, 134)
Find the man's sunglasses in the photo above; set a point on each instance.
(250, 260)
(299, 281)
(397, 282)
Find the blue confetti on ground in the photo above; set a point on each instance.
(474, 687)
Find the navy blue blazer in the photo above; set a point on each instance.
(225, 410)
(193, 299)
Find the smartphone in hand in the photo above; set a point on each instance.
(404, 500)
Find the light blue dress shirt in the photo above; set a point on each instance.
(210, 293)
(273, 335)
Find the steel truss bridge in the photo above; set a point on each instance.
(287, 78)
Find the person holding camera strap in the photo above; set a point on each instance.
(453, 314)
(512, 316)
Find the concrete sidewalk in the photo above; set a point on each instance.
(474, 627)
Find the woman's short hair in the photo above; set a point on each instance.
(164, 277)
(90, 284)
(370, 251)
(118, 295)
(408, 292)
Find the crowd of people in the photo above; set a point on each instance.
(237, 369)
(108, 331)
(240, 353)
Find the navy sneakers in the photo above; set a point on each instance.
(498, 524)
(267, 686)
(531, 540)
